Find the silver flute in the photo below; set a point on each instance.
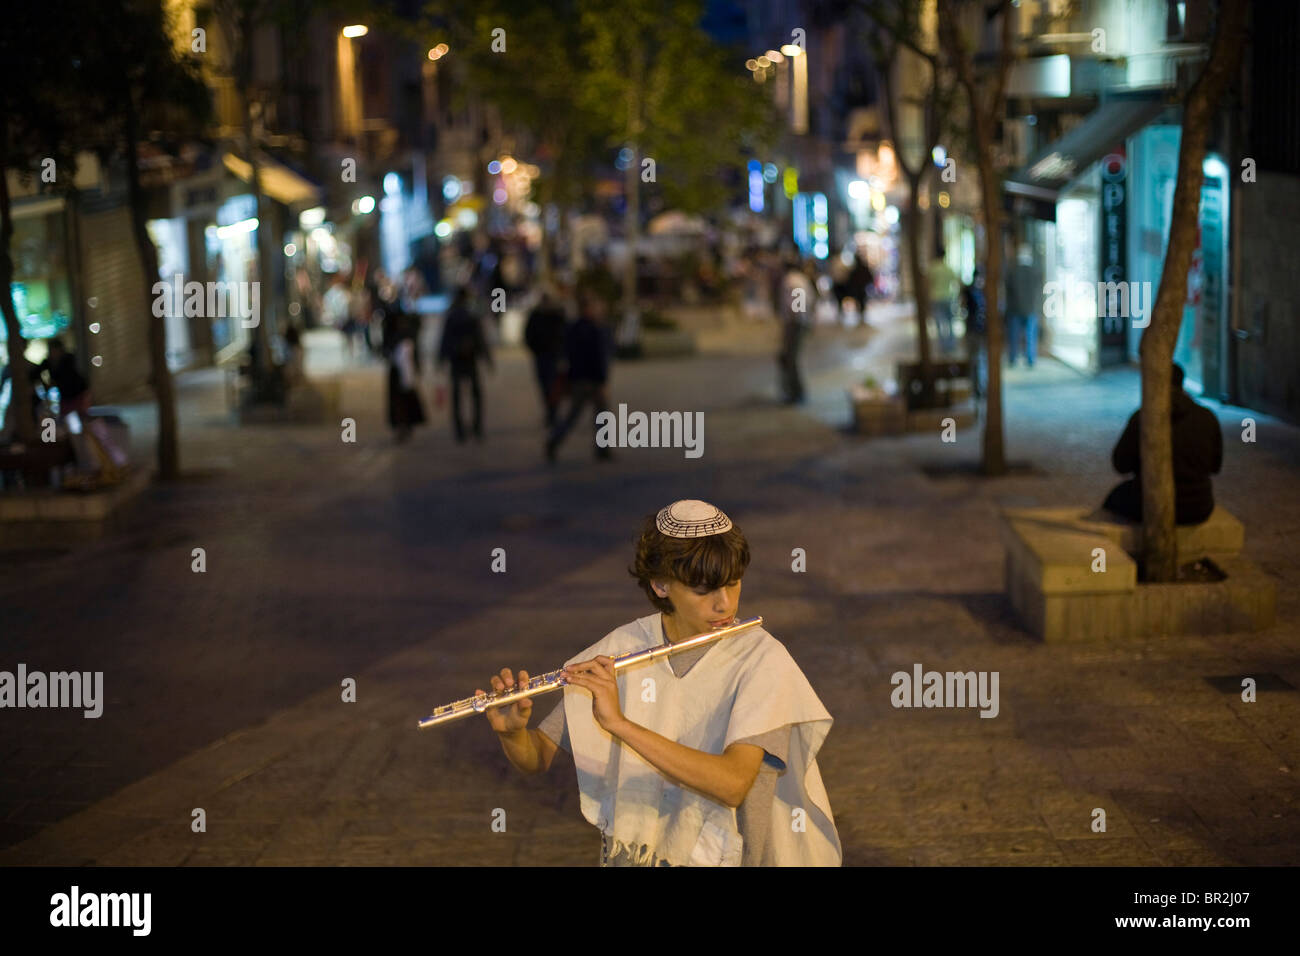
(545, 683)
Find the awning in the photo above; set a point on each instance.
(278, 181)
(1108, 126)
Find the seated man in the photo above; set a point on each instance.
(1197, 452)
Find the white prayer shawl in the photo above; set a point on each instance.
(742, 687)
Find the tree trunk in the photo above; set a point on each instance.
(261, 331)
(994, 460)
(169, 461)
(545, 267)
(632, 220)
(920, 290)
(20, 387)
(1159, 543)
(918, 263)
(983, 119)
(261, 351)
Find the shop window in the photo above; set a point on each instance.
(41, 292)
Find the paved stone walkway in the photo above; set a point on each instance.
(327, 560)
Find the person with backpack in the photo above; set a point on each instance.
(544, 335)
(463, 345)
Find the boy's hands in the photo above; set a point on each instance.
(511, 718)
(597, 676)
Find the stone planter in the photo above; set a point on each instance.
(45, 518)
(1059, 590)
(875, 412)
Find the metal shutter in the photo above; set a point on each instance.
(111, 278)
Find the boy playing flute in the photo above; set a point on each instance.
(702, 758)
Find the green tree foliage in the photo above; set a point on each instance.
(584, 79)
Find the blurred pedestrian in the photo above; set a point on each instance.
(1024, 292)
(462, 347)
(972, 300)
(544, 335)
(294, 355)
(387, 305)
(405, 410)
(798, 298)
(774, 271)
(413, 289)
(944, 286)
(360, 307)
(861, 281)
(588, 347)
(513, 272)
(486, 273)
(59, 370)
(308, 301)
(336, 303)
(856, 286)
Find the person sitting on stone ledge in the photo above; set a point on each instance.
(1197, 453)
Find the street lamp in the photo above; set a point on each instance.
(349, 86)
(799, 108)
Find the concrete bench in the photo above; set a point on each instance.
(1055, 581)
(46, 518)
(1050, 557)
(1220, 535)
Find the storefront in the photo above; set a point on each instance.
(41, 287)
(1202, 347)
(1074, 213)
(182, 249)
(230, 247)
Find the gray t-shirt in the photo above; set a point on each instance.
(754, 815)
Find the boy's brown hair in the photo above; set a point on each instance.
(709, 562)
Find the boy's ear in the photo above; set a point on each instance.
(661, 588)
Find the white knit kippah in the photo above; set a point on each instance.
(690, 518)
